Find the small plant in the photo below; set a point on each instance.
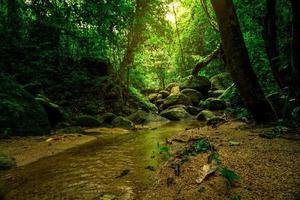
(200, 146)
(165, 151)
(229, 175)
(235, 198)
(215, 156)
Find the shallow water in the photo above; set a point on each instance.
(90, 171)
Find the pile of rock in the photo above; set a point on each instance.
(194, 98)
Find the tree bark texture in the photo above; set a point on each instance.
(238, 62)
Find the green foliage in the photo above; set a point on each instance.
(87, 121)
(235, 198)
(144, 101)
(229, 175)
(164, 150)
(200, 146)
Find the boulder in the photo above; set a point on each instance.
(194, 95)
(176, 114)
(171, 85)
(214, 104)
(175, 90)
(164, 93)
(6, 162)
(221, 81)
(176, 100)
(21, 114)
(107, 118)
(193, 110)
(205, 115)
(159, 96)
(215, 93)
(215, 120)
(152, 97)
(87, 121)
(122, 122)
(54, 111)
(199, 83)
(141, 117)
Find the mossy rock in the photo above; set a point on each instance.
(142, 117)
(205, 115)
(54, 111)
(164, 93)
(122, 122)
(213, 104)
(21, 114)
(199, 83)
(107, 118)
(193, 110)
(193, 94)
(176, 100)
(176, 114)
(171, 85)
(215, 120)
(87, 121)
(6, 162)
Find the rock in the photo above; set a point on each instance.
(54, 111)
(176, 114)
(175, 90)
(205, 115)
(215, 120)
(6, 162)
(122, 122)
(176, 100)
(194, 95)
(107, 118)
(141, 117)
(21, 114)
(221, 81)
(214, 104)
(193, 110)
(164, 93)
(159, 96)
(159, 102)
(152, 97)
(177, 106)
(171, 85)
(87, 121)
(215, 93)
(199, 83)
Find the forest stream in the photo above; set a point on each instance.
(119, 164)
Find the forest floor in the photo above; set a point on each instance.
(26, 150)
(268, 168)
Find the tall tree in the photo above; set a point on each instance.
(296, 49)
(270, 38)
(238, 62)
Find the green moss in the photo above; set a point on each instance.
(122, 122)
(144, 101)
(87, 120)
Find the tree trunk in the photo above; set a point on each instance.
(296, 49)
(270, 38)
(207, 60)
(135, 36)
(238, 62)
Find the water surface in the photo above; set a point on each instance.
(90, 171)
